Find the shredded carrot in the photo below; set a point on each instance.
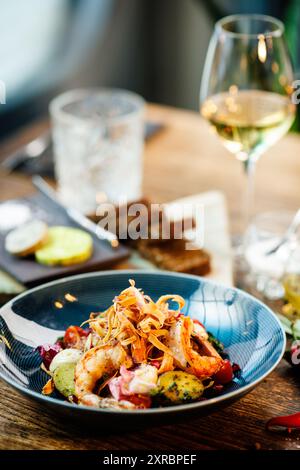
(176, 298)
(138, 350)
(139, 324)
(158, 344)
(166, 364)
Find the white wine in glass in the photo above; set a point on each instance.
(246, 88)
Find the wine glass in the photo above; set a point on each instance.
(246, 89)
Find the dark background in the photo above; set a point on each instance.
(154, 47)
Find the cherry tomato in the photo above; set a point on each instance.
(141, 401)
(73, 335)
(225, 374)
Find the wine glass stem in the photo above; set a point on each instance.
(249, 167)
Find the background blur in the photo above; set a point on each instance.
(154, 47)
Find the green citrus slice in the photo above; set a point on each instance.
(65, 246)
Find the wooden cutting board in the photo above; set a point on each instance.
(30, 273)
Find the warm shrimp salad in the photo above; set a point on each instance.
(137, 354)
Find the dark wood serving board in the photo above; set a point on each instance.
(30, 273)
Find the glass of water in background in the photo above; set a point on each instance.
(98, 137)
(265, 271)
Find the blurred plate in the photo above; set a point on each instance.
(29, 273)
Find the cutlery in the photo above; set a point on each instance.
(291, 230)
(41, 185)
(31, 150)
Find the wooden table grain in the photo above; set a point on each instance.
(183, 159)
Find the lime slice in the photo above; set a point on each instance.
(65, 246)
(27, 238)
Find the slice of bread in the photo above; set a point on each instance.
(173, 256)
(142, 221)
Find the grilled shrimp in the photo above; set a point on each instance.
(92, 366)
(200, 335)
(203, 362)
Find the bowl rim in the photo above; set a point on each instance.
(150, 411)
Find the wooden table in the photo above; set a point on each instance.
(183, 159)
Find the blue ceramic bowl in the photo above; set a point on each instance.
(251, 333)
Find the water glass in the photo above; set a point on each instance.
(98, 137)
(265, 271)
